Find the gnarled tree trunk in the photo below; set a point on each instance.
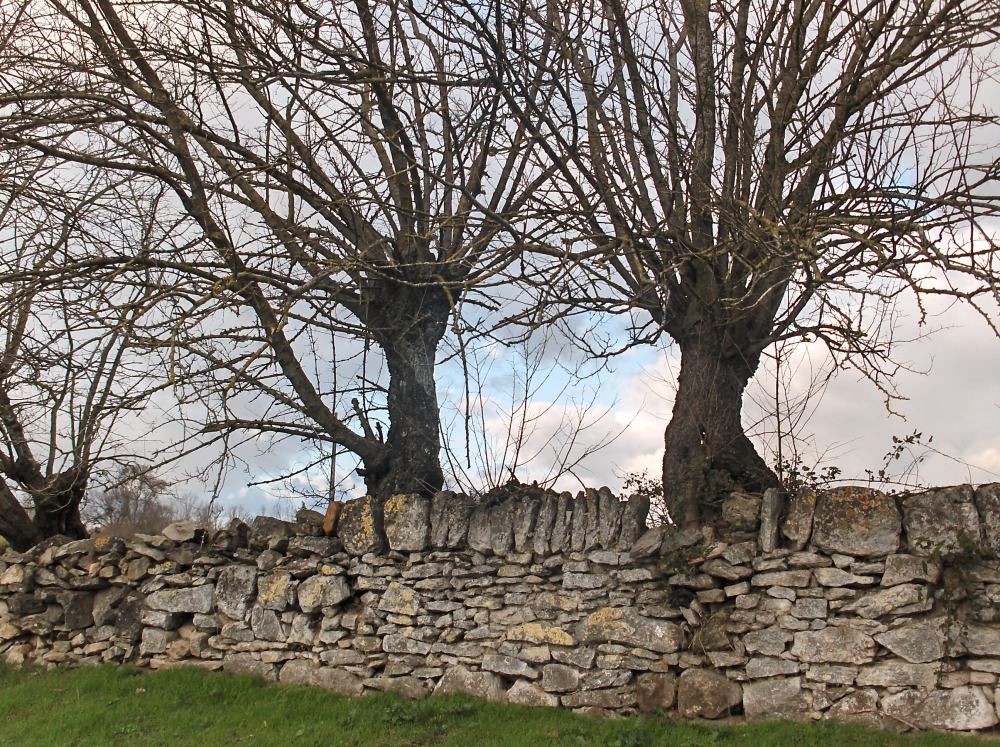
(707, 454)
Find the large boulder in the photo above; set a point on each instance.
(917, 642)
(856, 521)
(267, 532)
(942, 521)
(960, 709)
(777, 696)
(235, 590)
(484, 685)
(706, 693)
(407, 522)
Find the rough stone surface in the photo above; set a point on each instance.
(484, 685)
(842, 645)
(196, 599)
(656, 691)
(775, 697)
(524, 693)
(360, 528)
(235, 590)
(741, 512)
(770, 518)
(797, 525)
(916, 642)
(856, 521)
(322, 591)
(705, 693)
(407, 521)
(878, 603)
(627, 626)
(987, 498)
(942, 521)
(961, 708)
(901, 569)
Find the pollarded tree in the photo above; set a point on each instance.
(337, 170)
(744, 173)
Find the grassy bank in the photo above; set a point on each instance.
(123, 706)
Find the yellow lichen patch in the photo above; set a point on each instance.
(607, 623)
(101, 543)
(538, 633)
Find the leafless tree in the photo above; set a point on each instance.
(738, 174)
(338, 172)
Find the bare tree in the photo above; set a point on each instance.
(69, 371)
(745, 173)
(339, 172)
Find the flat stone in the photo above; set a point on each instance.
(243, 664)
(840, 645)
(797, 525)
(778, 696)
(895, 673)
(400, 600)
(942, 521)
(401, 644)
(918, 642)
(627, 626)
(508, 666)
(524, 693)
(266, 625)
(182, 531)
(770, 515)
(901, 569)
(883, 602)
(322, 591)
(525, 517)
(856, 521)
(767, 666)
(768, 641)
(959, 709)
(836, 577)
(973, 638)
(610, 699)
(797, 578)
(484, 685)
(832, 674)
(235, 590)
(535, 632)
(633, 522)
(560, 678)
(450, 519)
(407, 521)
(189, 600)
(858, 706)
(705, 693)
(275, 591)
(721, 569)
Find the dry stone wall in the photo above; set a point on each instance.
(845, 604)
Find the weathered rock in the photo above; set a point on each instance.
(105, 604)
(543, 525)
(973, 638)
(406, 687)
(266, 531)
(401, 644)
(524, 693)
(235, 590)
(837, 577)
(721, 569)
(450, 519)
(741, 512)
(704, 693)
(525, 516)
(400, 600)
(797, 579)
(895, 673)
(842, 644)
(189, 600)
(274, 591)
(560, 678)
(768, 641)
(534, 632)
(22, 604)
(656, 691)
(856, 521)
(961, 708)
(183, 531)
(797, 525)
(768, 666)
(648, 544)
(942, 521)
(360, 528)
(610, 526)
(309, 522)
(633, 523)
(479, 537)
(407, 522)
(560, 539)
(508, 666)
(78, 609)
(244, 664)
(265, 625)
(484, 685)
(883, 602)
(592, 537)
(779, 696)
(770, 516)
(128, 618)
(987, 499)
(858, 706)
(627, 626)
(901, 569)
(917, 642)
(501, 518)
(322, 591)
(308, 546)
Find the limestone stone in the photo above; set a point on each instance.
(360, 527)
(524, 693)
(525, 517)
(535, 632)
(797, 524)
(777, 696)
(400, 600)
(105, 604)
(917, 642)
(508, 666)
(560, 539)
(401, 644)
(770, 516)
(767, 666)
(627, 626)
(308, 546)
(322, 591)
(633, 523)
(974, 638)
(832, 674)
(592, 500)
(856, 521)
(896, 673)
(459, 679)
(182, 531)
(614, 698)
(648, 544)
(265, 624)
(721, 569)
(769, 641)
(407, 521)
(235, 590)
(987, 499)
(450, 519)
(189, 600)
(610, 521)
(942, 521)
(542, 534)
(878, 603)
(560, 678)
(266, 531)
(901, 569)
(857, 706)
(407, 687)
(741, 512)
(837, 577)
(655, 691)
(501, 518)
(705, 693)
(839, 645)
(275, 591)
(479, 536)
(797, 578)
(960, 708)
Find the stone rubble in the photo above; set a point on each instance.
(846, 604)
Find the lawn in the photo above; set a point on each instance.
(125, 706)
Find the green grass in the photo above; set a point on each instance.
(124, 706)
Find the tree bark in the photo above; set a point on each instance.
(707, 453)
(59, 513)
(16, 525)
(409, 335)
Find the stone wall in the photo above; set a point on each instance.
(845, 604)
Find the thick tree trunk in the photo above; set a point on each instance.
(411, 460)
(16, 525)
(707, 453)
(59, 513)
